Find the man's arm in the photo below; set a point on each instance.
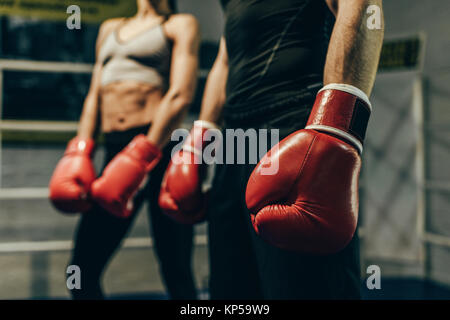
(89, 116)
(184, 30)
(354, 50)
(214, 95)
(321, 215)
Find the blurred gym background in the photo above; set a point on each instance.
(405, 187)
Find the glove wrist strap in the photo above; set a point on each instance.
(342, 110)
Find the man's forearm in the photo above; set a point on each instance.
(214, 94)
(354, 49)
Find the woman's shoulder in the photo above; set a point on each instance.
(110, 24)
(106, 28)
(183, 19)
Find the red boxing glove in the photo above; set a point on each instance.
(73, 176)
(181, 196)
(124, 175)
(311, 204)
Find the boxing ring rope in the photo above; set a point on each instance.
(60, 67)
(50, 126)
(39, 126)
(66, 245)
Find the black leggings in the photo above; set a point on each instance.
(100, 233)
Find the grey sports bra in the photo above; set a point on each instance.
(145, 57)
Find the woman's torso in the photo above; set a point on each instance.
(135, 72)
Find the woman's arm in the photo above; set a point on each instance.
(184, 30)
(90, 115)
(354, 49)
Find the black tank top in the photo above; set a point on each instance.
(276, 52)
